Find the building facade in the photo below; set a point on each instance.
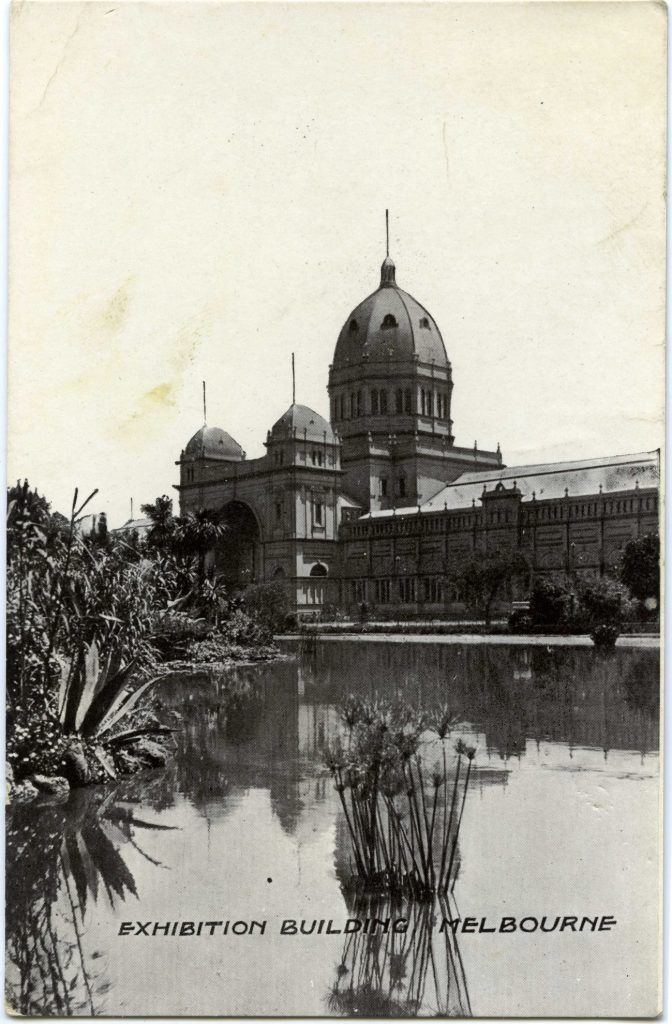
(380, 504)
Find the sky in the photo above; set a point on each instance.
(199, 190)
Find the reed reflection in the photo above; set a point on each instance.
(387, 972)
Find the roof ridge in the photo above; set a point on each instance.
(401, 294)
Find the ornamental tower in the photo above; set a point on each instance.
(390, 387)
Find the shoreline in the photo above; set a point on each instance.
(647, 641)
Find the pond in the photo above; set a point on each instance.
(560, 822)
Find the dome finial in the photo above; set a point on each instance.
(387, 271)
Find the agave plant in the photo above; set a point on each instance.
(95, 696)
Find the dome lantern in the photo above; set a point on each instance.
(387, 273)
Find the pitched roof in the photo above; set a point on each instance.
(547, 480)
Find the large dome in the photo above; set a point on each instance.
(214, 443)
(389, 325)
(299, 421)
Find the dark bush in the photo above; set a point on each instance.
(554, 603)
(267, 602)
(520, 621)
(604, 635)
(603, 600)
(640, 567)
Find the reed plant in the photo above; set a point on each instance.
(402, 810)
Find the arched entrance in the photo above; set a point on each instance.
(238, 554)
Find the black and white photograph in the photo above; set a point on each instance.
(336, 383)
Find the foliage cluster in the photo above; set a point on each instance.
(78, 620)
(486, 575)
(640, 570)
(579, 604)
(91, 616)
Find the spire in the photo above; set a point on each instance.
(387, 271)
(205, 411)
(293, 382)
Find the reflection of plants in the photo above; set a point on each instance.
(402, 823)
(59, 862)
(389, 973)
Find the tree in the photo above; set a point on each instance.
(198, 532)
(161, 533)
(485, 575)
(640, 567)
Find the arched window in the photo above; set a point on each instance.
(400, 400)
(353, 407)
(402, 486)
(360, 404)
(424, 322)
(407, 401)
(389, 321)
(279, 573)
(423, 402)
(353, 327)
(383, 402)
(319, 569)
(374, 401)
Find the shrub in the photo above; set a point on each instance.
(640, 569)
(245, 630)
(604, 635)
(331, 613)
(268, 603)
(520, 621)
(603, 600)
(553, 602)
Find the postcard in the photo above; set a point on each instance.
(336, 388)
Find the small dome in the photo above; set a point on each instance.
(213, 443)
(300, 418)
(389, 325)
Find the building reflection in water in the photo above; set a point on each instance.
(266, 726)
(384, 972)
(508, 694)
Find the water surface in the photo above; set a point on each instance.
(561, 820)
